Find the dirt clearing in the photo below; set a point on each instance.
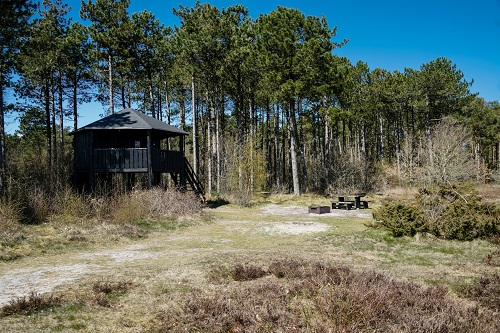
(166, 265)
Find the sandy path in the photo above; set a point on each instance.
(21, 278)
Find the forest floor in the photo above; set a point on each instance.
(163, 267)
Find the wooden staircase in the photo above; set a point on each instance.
(193, 180)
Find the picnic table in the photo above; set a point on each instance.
(348, 202)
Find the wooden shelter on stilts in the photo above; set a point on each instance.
(128, 146)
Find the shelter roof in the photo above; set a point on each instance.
(131, 119)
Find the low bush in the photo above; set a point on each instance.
(493, 258)
(325, 298)
(30, 304)
(447, 211)
(402, 219)
(247, 272)
(70, 205)
(466, 221)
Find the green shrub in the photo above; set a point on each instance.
(450, 211)
(400, 218)
(466, 221)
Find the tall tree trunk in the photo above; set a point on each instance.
(151, 96)
(75, 104)
(301, 149)
(48, 132)
(327, 150)
(209, 146)
(277, 159)
(182, 111)
(55, 161)
(478, 161)
(123, 95)
(159, 106)
(195, 129)
(292, 128)
(252, 176)
(167, 105)
(61, 121)
(3, 180)
(266, 150)
(110, 78)
(217, 144)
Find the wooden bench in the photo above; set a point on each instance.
(347, 205)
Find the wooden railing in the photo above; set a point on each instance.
(136, 160)
(167, 160)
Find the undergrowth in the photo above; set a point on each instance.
(40, 221)
(486, 290)
(103, 293)
(33, 303)
(293, 296)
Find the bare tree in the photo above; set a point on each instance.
(450, 155)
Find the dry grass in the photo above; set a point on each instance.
(10, 215)
(43, 223)
(155, 204)
(295, 296)
(489, 192)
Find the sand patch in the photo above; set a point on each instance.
(294, 228)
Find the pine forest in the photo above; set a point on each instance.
(268, 104)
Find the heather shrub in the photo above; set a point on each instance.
(106, 291)
(486, 291)
(402, 219)
(324, 298)
(247, 272)
(28, 305)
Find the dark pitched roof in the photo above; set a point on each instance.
(131, 119)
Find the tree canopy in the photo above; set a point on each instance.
(268, 101)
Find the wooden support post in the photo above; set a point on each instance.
(91, 157)
(150, 164)
(182, 173)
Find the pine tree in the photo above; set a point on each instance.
(14, 15)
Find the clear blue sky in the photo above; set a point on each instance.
(388, 34)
